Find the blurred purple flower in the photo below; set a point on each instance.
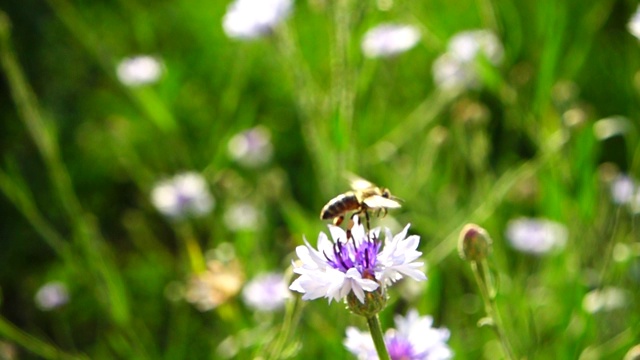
(413, 339)
(251, 148)
(622, 190)
(266, 292)
(184, 194)
(536, 236)
(52, 295)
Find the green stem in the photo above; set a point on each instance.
(378, 337)
(194, 251)
(482, 276)
(33, 344)
(85, 229)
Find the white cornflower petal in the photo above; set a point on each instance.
(354, 264)
(389, 39)
(139, 70)
(248, 19)
(413, 338)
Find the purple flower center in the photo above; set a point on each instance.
(360, 255)
(400, 348)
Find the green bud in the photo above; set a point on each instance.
(474, 243)
(374, 302)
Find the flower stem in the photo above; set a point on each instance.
(483, 278)
(378, 337)
(194, 251)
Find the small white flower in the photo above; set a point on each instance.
(251, 148)
(467, 45)
(52, 295)
(242, 216)
(248, 19)
(389, 39)
(139, 70)
(414, 338)
(536, 236)
(184, 194)
(634, 23)
(456, 68)
(355, 264)
(450, 73)
(606, 299)
(266, 292)
(622, 189)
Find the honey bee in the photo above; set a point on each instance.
(364, 196)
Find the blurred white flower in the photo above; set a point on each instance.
(139, 70)
(536, 236)
(456, 68)
(467, 45)
(450, 73)
(52, 295)
(266, 292)
(634, 23)
(389, 39)
(414, 338)
(622, 190)
(216, 285)
(248, 19)
(606, 299)
(251, 148)
(612, 126)
(242, 216)
(184, 194)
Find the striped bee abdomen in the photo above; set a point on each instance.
(340, 205)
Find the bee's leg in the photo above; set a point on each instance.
(366, 217)
(349, 227)
(384, 212)
(338, 220)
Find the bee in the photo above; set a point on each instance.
(364, 196)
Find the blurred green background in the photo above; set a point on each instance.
(81, 154)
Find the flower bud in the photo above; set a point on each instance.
(374, 302)
(474, 243)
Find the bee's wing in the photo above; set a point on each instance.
(358, 183)
(377, 201)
